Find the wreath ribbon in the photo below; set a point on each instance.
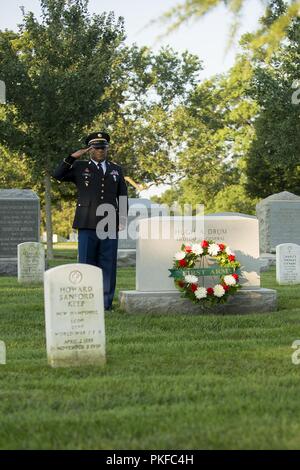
(211, 271)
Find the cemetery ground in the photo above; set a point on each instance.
(186, 382)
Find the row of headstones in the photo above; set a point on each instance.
(74, 307)
(31, 263)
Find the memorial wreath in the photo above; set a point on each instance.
(186, 275)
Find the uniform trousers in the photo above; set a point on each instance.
(101, 253)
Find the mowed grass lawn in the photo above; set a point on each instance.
(187, 382)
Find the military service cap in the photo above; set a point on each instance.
(98, 140)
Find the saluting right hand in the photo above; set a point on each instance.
(80, 152)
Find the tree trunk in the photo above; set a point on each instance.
(47, 182)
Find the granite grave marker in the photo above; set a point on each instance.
(156, 255)
(160, 238)
(74, 311)
(19, 222)
(31, 262)
(279, 220)
(288, 263)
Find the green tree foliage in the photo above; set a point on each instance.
(70, 73)
(268, 35)
(142, 102)
(241, 130)
(14, 171)
(62, 225)
(56, 72)
(273, 162)
(234, 198)
(215, 131)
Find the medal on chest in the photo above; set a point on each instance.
(86, 176)
(114, 174)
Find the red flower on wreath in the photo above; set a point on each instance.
(221, 246)
(182, 262)
(231, 258)
(225, 287)
(194, 287)
(204, 243)
(236, 277)
(210, 291)
(188, 249)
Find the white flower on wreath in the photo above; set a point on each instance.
(179, 255)
(197, 249)
(200, 293)
(219, 290)
(213, 249)
(229, 280)
(228, 251)
(190, 279)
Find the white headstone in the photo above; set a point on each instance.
(2, 353)
(74, 311)
(73, 237)
(288, 263)
(31, 262)
(161, 237)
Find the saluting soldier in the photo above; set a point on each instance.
(99, 181)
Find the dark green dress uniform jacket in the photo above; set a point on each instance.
(93, 188)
